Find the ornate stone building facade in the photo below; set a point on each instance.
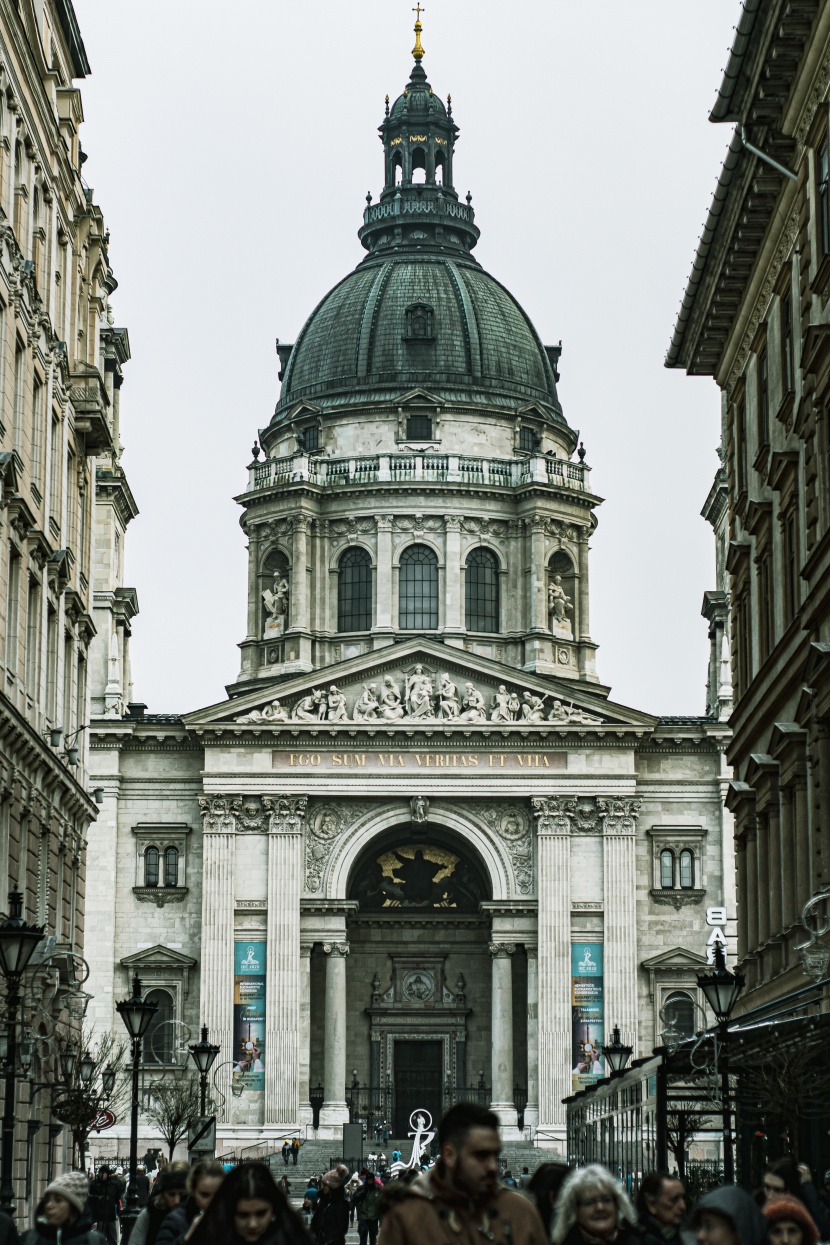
(755, 317)
(60, 369)
(418, 820)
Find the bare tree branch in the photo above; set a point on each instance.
(173, 1107)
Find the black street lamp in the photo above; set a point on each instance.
(722, 990)
(203, 1055)
(136, 1012)
(616, 1053)
(108, 1080)
(18, 941)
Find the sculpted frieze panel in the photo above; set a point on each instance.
(422, 694)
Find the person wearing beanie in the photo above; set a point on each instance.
(62, 1215)
(168, 1194)
(790, 1223)
(330, 1221)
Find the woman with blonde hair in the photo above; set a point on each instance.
(594, 1209)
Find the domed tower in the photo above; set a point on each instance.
(417, 478)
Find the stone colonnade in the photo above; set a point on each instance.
(288, 1009)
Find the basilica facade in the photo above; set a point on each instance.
(418, 854)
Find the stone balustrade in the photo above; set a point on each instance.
(426, 468)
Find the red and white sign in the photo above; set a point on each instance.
(104, 1119)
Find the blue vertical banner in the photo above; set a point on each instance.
(249, 1014)
(587, 1019)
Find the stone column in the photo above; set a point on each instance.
(752, 887)
(802, 845)
(282, 998)
(788, 905)
(820, 845)
(304, 1035)
(537, 578)
(776, 922)
(383, 575)
(553, 828)
(762, 865)
(742, 882)
(453, 614)
(334, 1109)
(532, 1108)
(299, 573)
(217, 970)
(584, 596)
(254, 553)
(502, 1032)
(619, 819)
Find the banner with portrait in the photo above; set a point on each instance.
(587, 1021)
(249, 1014)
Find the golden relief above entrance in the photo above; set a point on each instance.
(418, 876)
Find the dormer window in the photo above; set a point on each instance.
(418, 428)
(419, 323)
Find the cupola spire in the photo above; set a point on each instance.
(418, 50)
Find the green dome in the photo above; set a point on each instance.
(479, 346)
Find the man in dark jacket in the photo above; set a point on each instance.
(330, 1220)
(104, 1196)
(462, 1191)
(366, 1200)
(8, 1232)
(728, 1216)
(661, 1208)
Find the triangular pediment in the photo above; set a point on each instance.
(676, 958)
(422, 685)
(157, 957)
(418, 397)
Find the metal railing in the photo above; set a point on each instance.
(507, 473)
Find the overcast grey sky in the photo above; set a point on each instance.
(231, 147)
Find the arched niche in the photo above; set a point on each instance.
(400, 873)
(472, 837)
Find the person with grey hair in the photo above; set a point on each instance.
(594, 1209)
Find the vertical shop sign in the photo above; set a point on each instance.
(587, 1021)
(249, 1014)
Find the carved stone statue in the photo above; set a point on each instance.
(391, 707)
(449, 705)
(472, 705)
(533, 709)
(419, 694)
(367, 708)
(272, 712)
(311, 708)
(419, 809)
(501, 705)
(336, 706)
(276, 605)
(569, 715)
(559, 606)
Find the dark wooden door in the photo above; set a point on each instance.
(417, 1082)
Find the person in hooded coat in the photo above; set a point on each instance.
(330, 1220)
(249, 1209)
(62, 1216)
(168, 1194)
(728, 1216)
(203, 1181)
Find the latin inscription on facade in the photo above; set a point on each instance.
(412, 762)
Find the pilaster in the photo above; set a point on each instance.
(502, 1033)
(282, 1000)
(619, 821)
(217, 935)
(553, 829)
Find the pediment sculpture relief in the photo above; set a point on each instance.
(421, 695)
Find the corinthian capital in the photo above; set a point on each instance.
(219, 813)
(286, 813)
(552, 814)
(619, 816)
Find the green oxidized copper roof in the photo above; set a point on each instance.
(354, 346)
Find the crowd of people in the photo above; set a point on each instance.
(456, 1199)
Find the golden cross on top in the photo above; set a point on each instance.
(418, 50)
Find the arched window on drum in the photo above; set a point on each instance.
(418, 589)
(481, 591)
(354, 591)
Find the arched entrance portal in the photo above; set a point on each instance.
(419, 981)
